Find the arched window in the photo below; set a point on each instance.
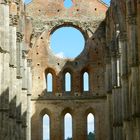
(67, 82)
(90, 127)
(68, 126)
(46, 127)
(118, 73)
(49, 81)
(68, 3)
(85, 81)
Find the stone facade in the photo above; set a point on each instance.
(110, 57)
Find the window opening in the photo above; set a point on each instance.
(68, 127)
(118, 73)
(49, 82)
(46, 127)
(90, 127)
(67, 82)
(67, 42)
(85, 81)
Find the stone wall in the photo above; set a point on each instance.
(14, 70)
(122, 41)
(87, 17)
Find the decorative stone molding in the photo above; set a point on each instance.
(24, 54)
(132, 20)
(29, 62)
(5, 1)
(19, 37)
(14, 20)
(41, 25)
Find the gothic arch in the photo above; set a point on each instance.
(84, 70)
(64, 112)
(42, 114)
(71, 72)
(52, 71)
(70, 24)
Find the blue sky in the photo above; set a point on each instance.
(64, 42)
(69, 4)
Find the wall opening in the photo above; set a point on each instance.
(27, 1)
(49, 82)
(67, 82)
(90, 127)
(85, 81)
(46, 127)
(67, 42)
(68, 127)
(68, 3)
(118, 73)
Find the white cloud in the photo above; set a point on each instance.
(60, 54)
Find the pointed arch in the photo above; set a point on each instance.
(90, 116)
(50, 77)
(46, 127)
(85, 80)
(67, 80)
(45, 124)
(67, 121)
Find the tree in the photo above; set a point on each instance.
(69, 138)
(91, 136)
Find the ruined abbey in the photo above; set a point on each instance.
(111, 57)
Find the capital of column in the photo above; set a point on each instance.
(19, 37)
(16, 1)
(24, 54)
(5, 1)
(132, 19)
(29, 62)
(14, 20)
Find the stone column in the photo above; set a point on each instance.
(125, 87)
(124, 76)
(108, 86)
(4, 72)
(19, 85)
(24, 95)
(29, 89)
(12, 87)
(117, 114)
(133, 52)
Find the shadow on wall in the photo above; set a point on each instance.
(13, 120)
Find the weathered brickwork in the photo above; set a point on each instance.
(87, 17)
(111, 58)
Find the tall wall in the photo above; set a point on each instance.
(123, 43)
(15, 73)
(87, 16)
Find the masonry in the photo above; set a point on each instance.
(110, 57)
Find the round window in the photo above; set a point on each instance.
(67, 42)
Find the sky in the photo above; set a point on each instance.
(69, 3)
(64, 44)
(67, 126)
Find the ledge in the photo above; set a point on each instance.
(69, 97)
